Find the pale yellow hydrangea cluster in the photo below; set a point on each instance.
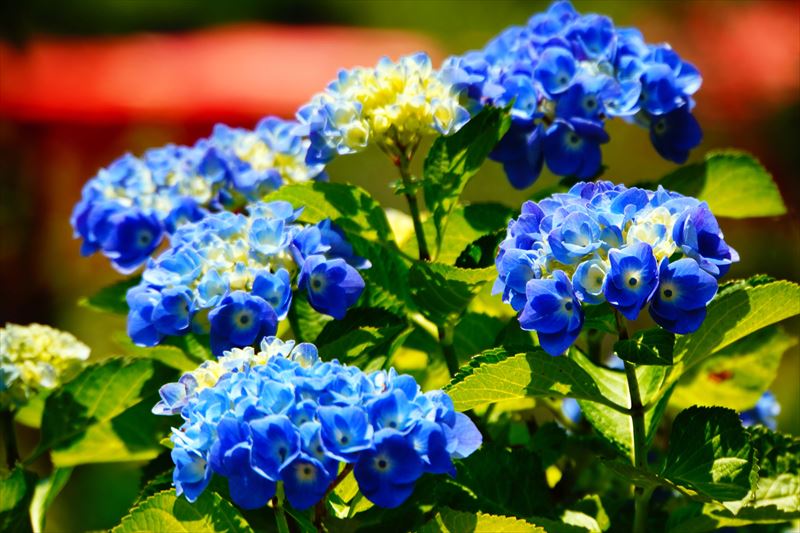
(394, 105)
(35, 357)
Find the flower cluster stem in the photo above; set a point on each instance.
(446, 333)
(641, 495)
(280, 514)
(413, 207)
(9, 438)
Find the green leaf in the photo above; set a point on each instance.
(111, 299)
(307, 322)
(587, 513)
(349, 207)
(740, 309)
(710, 453)
(648, 347)
(361, 335)
(16, 491)
(386, 281)
(167, 513)
(442, 292)
(454, 159)
(466, 225)
(775, 498)
(506, 482)
(601, 318)
(736, 376)
(476, 332)
(450, 521)
(498, 374)
(169, 354)
(46, 491)
(611, 424)
(103, 415)
(733, 183)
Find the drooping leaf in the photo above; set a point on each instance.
(46, 491)
(111, 299)
(775, 498)
(442, 292)
(648, 347)
(612, 424)
(16, 491)
(740, 309)
(167, 513)
(454, 159)
(733, 183)
(306, 322)
(736, 376)
(506, 482)
(476, 332)
(498, 374)
(349, 207)
(103, 415)
(362, 334)
(710, 453)
(450, 521)
(466, 224)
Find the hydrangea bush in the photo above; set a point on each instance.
(584, 361)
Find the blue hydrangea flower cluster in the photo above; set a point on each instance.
(232, 275)
(764, 412)
(393, 105)
(602, 242)
(282, 415)
(564, 74)
(126, 209)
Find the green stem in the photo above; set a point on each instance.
(641, 496)
(413, 207)
(280, 514)
(9, 438)
(446, 333)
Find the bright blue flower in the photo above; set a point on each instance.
(276, 443)
(588, 280)
(282, 415)
(276, 289)
(232, 456)
(192, 473)
(577, 236)
(632, 279)
(387, 473)
(520, 152)
(332, 285)
(345, 431)
(594, 37)
(584, 69)
(765, 412)
(684, 291)
(572, 148)
(610, 240)
(674, 134)
(228, 259)
(125, 210)
(305, 482)
(430, 442)
(239, 320)
(698, 234)
(172, 315)
(553, 311)
(554, 70)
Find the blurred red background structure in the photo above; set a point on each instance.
(234, 73)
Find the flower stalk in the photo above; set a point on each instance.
(639, 459)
